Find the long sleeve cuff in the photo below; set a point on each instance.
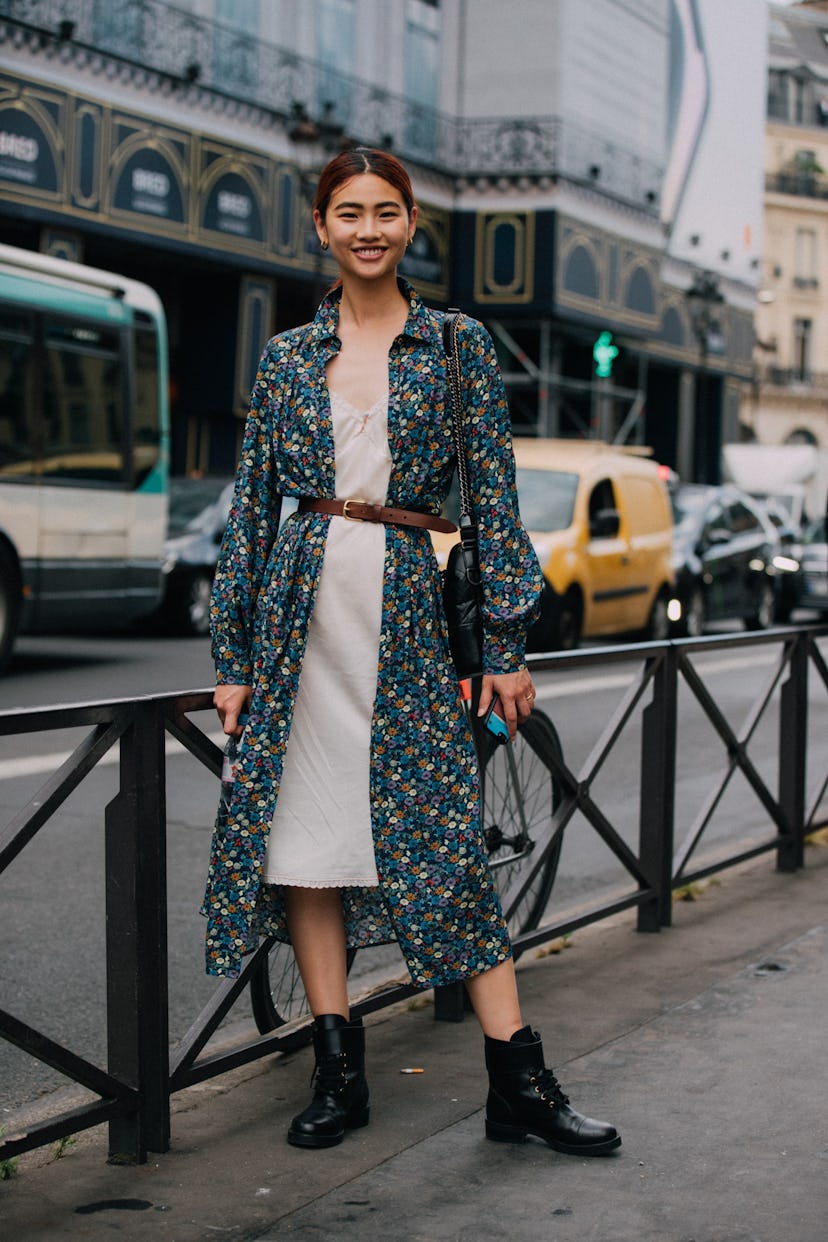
(504, 650)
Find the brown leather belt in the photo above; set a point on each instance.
(364, 511)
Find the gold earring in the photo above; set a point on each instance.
(324, 245)
(408, 243)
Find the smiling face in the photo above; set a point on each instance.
(367, 226)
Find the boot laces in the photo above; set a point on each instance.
(329, 1073)
(548, 1087)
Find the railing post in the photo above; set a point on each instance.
(793, 733)
(136, 937)
(657, 803)
(450, 1003)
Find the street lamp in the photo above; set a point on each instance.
(703, 295)
(703, 298)
(324, 129)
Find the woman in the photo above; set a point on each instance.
(354, 814)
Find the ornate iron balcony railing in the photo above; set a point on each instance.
(317, 103)
(815, 382)
(802, 184)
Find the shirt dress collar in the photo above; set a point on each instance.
(421, 324)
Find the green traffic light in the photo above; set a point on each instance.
(604, 353)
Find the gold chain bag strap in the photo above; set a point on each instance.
(462, 598)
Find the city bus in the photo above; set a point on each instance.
(84, 447)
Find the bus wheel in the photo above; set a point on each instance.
(9, 606)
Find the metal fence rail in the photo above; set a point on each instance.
(133, 1093)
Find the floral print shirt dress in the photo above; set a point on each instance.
(435, 894)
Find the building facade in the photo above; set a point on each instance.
(566, 158)
(788, 402)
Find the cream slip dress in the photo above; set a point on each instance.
(320, 835)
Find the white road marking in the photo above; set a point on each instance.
(35, 765)
(561, 689)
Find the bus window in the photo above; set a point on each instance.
(84, 424)
(146, 414)
(83, 404)
(16, 396)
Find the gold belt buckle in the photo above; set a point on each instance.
(354, 500)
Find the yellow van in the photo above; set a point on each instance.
(600, 520)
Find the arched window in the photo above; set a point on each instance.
(640, 293)
(580, 273)
(802, 435)
(672, 327)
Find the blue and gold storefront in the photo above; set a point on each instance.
(224, 233)
(552, 288)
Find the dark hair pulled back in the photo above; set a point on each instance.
(353, 163)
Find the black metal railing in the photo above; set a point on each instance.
(133, 1092)
(795, 377)
(800, 184)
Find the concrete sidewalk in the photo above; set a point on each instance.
(705, 1044)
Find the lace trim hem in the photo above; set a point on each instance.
(285, 882)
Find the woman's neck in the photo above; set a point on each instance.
(372, 315)
(367, 304)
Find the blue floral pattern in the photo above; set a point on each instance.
(435, 894)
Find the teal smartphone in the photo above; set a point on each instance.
(495, 722)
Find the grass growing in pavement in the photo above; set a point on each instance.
(8, 1168)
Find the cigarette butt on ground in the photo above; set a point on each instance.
(412, 1070)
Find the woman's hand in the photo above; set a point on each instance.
(230, 702)
(516, 693)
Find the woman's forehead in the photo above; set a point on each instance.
(366, 189)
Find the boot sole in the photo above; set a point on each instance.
(519, 1134)
(297, 1139)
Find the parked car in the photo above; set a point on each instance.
(599, 518)
(197, 518)
(813, 581)
(198, 514)
(790, 531)
(728, 559)
(786, 562)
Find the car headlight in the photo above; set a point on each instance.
(785, 564)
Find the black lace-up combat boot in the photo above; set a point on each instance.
(526, 1098)
(340, 1098)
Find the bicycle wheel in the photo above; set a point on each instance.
(519, 797)
(276, 992)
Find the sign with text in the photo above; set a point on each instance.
(149, 182)
(30, 151)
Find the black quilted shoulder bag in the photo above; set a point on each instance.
(461, 580)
